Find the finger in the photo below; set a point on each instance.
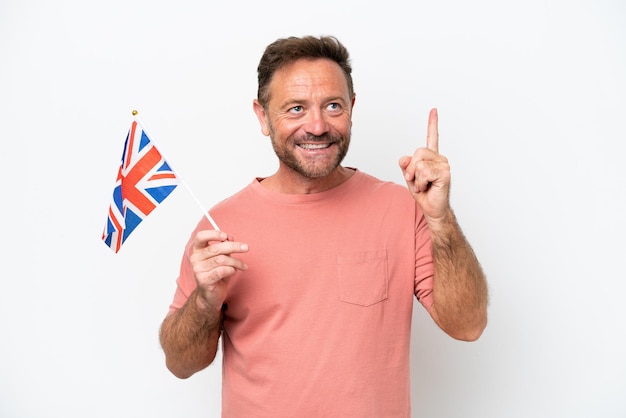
(216, 261)
(404, 162)
(220, 266)
(432, 136)
(203, 238)
(408, 169)
(227, 247)
(409, 164)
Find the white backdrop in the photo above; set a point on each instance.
(532, 108)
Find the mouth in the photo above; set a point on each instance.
(315, 146)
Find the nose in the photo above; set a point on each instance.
(316, 123)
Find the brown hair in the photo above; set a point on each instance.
(287, 50)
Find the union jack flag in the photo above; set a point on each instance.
(144, 180)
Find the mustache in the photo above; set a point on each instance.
(317, 138)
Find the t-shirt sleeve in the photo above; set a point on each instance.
(186, 281)
(424, 269)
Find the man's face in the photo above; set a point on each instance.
(308, 117)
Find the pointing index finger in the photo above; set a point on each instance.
(432, 136)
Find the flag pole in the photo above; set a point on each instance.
(182, 180)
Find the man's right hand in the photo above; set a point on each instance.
(213, 264)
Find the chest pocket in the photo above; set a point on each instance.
(362, 276)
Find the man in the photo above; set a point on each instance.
(314, 303)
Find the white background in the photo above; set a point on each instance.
(532, 106)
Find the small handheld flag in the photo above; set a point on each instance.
(144, 180)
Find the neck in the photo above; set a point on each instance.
(290, 182)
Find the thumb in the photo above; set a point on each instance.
(404, 162)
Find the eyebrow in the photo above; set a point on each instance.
(298, 102)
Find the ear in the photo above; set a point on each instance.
(261, 116)
(352, 107)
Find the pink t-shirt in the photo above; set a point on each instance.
(319, 325)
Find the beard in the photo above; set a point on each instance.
(314, 168)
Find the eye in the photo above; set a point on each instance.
(296, 109)
(334, 107)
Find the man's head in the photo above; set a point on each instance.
(304, 105)
(285, 51)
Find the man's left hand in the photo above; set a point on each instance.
(427, 175)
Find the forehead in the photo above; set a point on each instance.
(309, 75)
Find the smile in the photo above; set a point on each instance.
(314, 146)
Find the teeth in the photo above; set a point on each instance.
(314, 146)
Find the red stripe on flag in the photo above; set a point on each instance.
(138, 172)
(118, 228)
(131, 141)
(159, 176)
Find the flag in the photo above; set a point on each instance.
(144, 180)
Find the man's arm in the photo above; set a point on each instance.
(189, 336)
(460, 288)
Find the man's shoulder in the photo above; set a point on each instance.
(375, 184)
(235, 199)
